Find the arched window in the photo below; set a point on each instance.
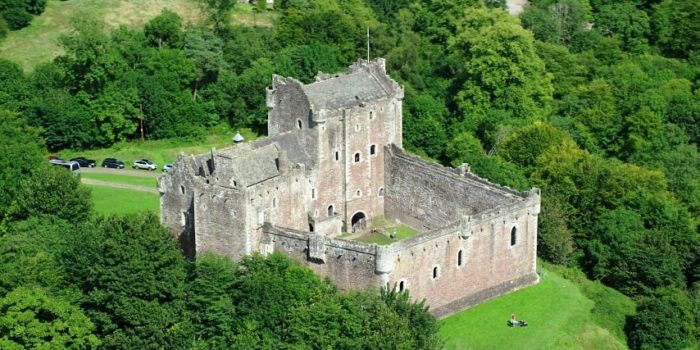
(402, 286)
(460, 258)
(513, 236)
(358, 193)
(373, 149)
(357, 157)
(435, 272)
(299, 124)
(331, 210)
(381, 192)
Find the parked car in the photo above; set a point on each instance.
(84, 163)
(167, 168)
(74, 167)
(144, 164)
(112, 163)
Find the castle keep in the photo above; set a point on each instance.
(333, 163)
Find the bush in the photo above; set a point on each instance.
(17, 18)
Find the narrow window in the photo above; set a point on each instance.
(331, 210)
(381, 192)
(182, 189)
(513, 236)
(277, 163)
(299, 124)
(311, 227)
(357, 127)
(336, 155)
(274, 202)
(460, 258)
(435, 272)
(313, 193)
(371, 115)
(373, 149)
(358, 193)
(401, 286)
(357, 157)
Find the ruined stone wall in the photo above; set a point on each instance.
(426, 195)
(489, 264)
(177, 199)
(350, 264)
(287, 106)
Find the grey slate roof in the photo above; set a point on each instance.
(346, 90)
(252, 167)
(289, 142)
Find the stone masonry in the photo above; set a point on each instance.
(331, 163)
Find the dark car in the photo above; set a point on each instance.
(84, 163)
(112, 163)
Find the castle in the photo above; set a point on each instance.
(333, 163)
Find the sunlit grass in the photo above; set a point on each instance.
(147, 181)
(559, 315)
(108, 200)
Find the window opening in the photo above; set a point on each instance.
(460, 258)
(331, 210)
(299, 124)
(313, 193)
(336, 155)
(381, 192)
(373, 149)
(357, 157)
(401, 286)
(513, 236)
(435, 272)
(182, 189)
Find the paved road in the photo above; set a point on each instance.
(126, 172)
(118, 185)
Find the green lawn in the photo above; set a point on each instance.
(122, 179)
(560, 316)
(161, 151)
(109, 200)
(39, 42)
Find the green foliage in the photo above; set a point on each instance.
(497, 67)
(30, 318)
(218, 12)
(20, 154)
(164, 30)
(133, 281)
(676, 27)
(625, 20)
(555, 21)
(663, 321)
(555, 240)
(422, 126)
(16, 17)
(304, 62)
(419, 319)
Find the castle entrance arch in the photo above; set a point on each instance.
(359, 221)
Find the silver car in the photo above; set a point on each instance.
(144, 164)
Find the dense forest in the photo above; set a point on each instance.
(596, 102)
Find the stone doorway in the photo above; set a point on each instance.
(359, 221)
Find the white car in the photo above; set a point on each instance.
(167, 168)
(144, 164)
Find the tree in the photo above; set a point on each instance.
(676, 27)
(20, 153)
(205, 50)
(30, 318)
(423, 124)
(663, 321)
(218, 12)
(132, 277)
(165, 29)
(51, 190)
(526, 144)
(497, 67)
(555, 21)
(16, 17)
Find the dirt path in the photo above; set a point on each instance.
(118, 185)
(515, 7)
(125, 172)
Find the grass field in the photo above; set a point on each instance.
(39, 43)
(146, 181)
(109, 200)
(160, 151)
(559, 313)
